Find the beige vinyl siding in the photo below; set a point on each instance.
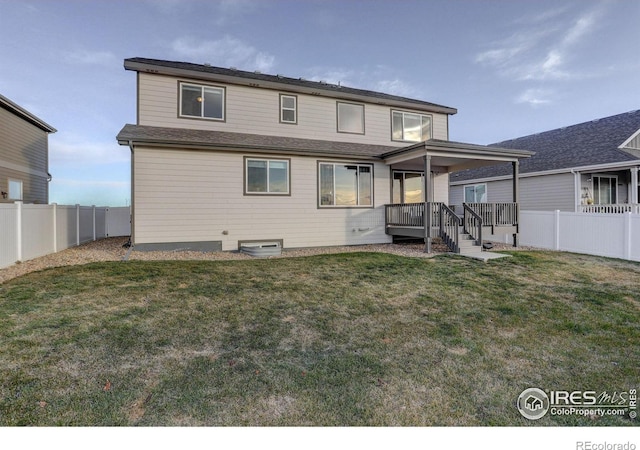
(24, 157)
(539, 193)
(441, 188)
(190, 196)
(35, 189)
(256, 111)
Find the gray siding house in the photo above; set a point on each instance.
(221, 157)
(590, 167)
(24, 155)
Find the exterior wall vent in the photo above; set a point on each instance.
(261, 249)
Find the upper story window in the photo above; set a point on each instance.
(266, 176)
(410, 127)
(350, 118)
(206, 102)
(288, 109)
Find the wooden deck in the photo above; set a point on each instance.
(477, 220)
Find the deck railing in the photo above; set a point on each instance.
(449, 226)
(496, 214)
(410, 214)
(472, 223)
(618, 208)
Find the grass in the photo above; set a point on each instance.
(344, 340)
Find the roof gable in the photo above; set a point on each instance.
(280, 82)
(589, 143)
(25, 115)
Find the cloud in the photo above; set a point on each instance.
(89, 57)
(225, 52)
(543, 50)
(535, 97)
(379, 78)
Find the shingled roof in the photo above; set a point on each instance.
(584, 144)
(258, 79)
(207, 139)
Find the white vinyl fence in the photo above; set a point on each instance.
(612, 235)
(28, 231)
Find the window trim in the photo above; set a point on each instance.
(464, 192)
(362, 105)
(223, 89)
(263, 194)
(345, 163)
(15, 180)
(294, 109)
(403, 112)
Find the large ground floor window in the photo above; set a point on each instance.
(345, 184)
(408, 187)
(475, 193)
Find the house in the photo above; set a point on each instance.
(24, 155)
(223, 157)
(590, 167)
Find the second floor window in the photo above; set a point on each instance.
(350, 118)
(288, 109)
(410, 127)
(201, 101)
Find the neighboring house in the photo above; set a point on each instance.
(589, 167)
(24, 155)
(223, 156)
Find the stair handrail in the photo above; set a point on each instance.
(450, 228)
(472, 222)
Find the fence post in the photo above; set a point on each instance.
(556, 230)
(55, 227)
(77, 224)
(627, 236)
(19, 230)
(93, 208)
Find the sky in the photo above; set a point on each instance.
(511, 68)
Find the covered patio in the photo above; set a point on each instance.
(425, 212)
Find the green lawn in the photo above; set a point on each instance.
(349, 339)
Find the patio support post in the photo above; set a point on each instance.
(427, 204)
(516, 199)
(634, 186)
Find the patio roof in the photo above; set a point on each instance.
(451, 156)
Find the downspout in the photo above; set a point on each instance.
(132, 237)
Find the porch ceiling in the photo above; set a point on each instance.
(451, 156)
